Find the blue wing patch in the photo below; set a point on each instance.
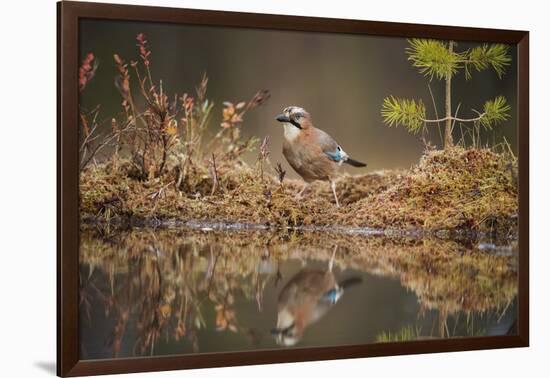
(335, 155)
(332, 296)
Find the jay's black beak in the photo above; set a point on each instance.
(279, 331)
(282, 118)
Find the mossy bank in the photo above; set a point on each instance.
(452, 190)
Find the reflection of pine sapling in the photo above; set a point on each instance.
(439, 59)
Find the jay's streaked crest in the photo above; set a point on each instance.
(312, 153)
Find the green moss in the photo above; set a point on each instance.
(456, 189)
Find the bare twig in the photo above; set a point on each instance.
(214, 174)
(95, 150)
(452, 118)
(436, 113)
(281, 173)
(155, 195)
(262, 155)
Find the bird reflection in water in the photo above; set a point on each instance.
(305, 299)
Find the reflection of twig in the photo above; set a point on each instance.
(278, 274)
(332, 258)
(259, 294)
(504, 311)
(457, 318)
(212, 275)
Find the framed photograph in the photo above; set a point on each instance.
(240, 188)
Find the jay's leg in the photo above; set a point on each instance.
(332, 258)
(333, 187)
(299, 195)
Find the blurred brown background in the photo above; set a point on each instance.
(340, 79)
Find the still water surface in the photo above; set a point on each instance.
(166, 292)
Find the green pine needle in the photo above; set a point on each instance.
(404, 112)
(433, 58)
(486, 56)
(495, 111)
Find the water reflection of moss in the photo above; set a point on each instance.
(171, 277)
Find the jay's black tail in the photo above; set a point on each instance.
(348, 282)
(354, 163)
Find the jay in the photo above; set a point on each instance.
(310, 151)
(305, 299)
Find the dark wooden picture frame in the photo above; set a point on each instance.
(69, 14)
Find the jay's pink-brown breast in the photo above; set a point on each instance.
(308, 159)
